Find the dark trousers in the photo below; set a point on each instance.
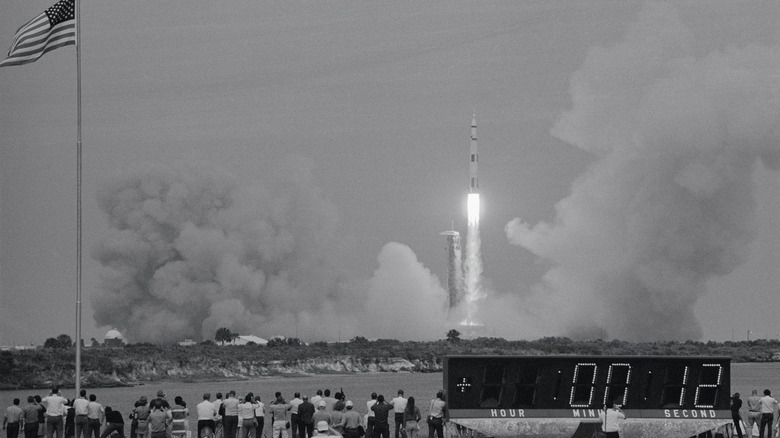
(12, 430)
(230, 425)
(766, 422)
(399, 424)
(436, 426)
(54, 425)
(381, 430)
(370, 427)
(94, 428)
(306, 430)
(295, 425)
(31, 430)
(612, 435)
(351, 433)
(82, 426)
(113, 427)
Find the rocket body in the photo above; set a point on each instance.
(474, 158)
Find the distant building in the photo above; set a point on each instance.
(246, 339)
(113, 339)
(187, 343)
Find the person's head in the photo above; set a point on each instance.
(320, 404)
(37, 398)
(93, 397)
(179, 401)
(83, 393)
(219, 396)
(206, 396)
(278, 394)
(440, 395)
(401, 392)
(322, 427)
(373, 396)
(30, 399)
(142, 401)
(410, 404)
(255, 397)
(319, 392)
(108, 410)
(248, 398)
(380, 399)
(161, 394)
(767, 392)
(349, 404)
(17, 401)
(305, 398)
(232, 393)
(55, 389)
(736, 395)
(297, 394)
(327, 393)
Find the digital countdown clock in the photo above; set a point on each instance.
(561, 396)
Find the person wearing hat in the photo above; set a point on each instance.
(306, 418)
(160, 402)
(322, 413)
(351, 421)
(323, 429)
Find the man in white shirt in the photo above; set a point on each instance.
(399, 404)
(370, 417)
(610, 420)
(55, 410)
(294, 420)
(768, 405)
(207, 414)
(80, 411)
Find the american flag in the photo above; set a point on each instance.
(55, 27)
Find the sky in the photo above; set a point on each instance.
(285, 168)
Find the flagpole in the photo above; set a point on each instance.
(78, 195)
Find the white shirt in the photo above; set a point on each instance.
(399, 404)
(613, 417)
(294, 403)
(80, 406)
(368, 406)
(206, 410)
(55, 405)
(260, 409)
(768, 404)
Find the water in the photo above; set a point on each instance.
(358, 387)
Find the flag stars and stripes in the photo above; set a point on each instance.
(53, 28)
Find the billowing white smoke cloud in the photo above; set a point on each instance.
(668, 203)
(189, 250)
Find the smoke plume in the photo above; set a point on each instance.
(189, 250)
(668, 202)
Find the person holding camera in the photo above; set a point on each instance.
(610, 418)
(280, 423)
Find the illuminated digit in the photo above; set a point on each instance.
(582, 385)
(674, 386)
(618, 381)
(709, 382)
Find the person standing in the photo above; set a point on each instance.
(438, 407)
(55, 410)
(260, 417)
(158, 422)
(399, 404)
(230, 417)
(306, 418)
(179, 415)
(12, 419)
(246, 415)
(279, 409)
(322, 414)
(95, 414)
(207, 414)
(30, 418)
(411, 418)
(754, 411)
(114, 423)
(768, 405)
(610, 420)
(80, 412)
(370, 416)
(351, 421)
(218, 432)
(295, 423)
(141, 417)
(736, 416)
(381, 411)
(330, 402)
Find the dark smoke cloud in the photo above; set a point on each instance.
(188, 250)
(668, 203)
